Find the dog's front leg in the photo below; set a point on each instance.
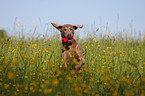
(65, 57)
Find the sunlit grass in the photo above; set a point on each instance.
(115, 66)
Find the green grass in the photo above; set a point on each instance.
(115, 66)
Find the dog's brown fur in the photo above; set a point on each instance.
(71, 50)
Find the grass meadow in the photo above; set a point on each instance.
(115, 66)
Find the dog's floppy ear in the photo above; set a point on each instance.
(77, 26)
(57, 26)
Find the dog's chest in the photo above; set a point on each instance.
(69, 49)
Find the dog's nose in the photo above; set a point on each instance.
(69, 35)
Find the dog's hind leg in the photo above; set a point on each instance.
(82, 63)
(78, 67)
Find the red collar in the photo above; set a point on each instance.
(66, 39)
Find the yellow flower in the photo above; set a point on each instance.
(55, 82)
(26, 87)
(75, 76)
(103, 56)
(136, 52)
(68, 78)
(115, 93)
(128, 59)
(115, 52)
(15, 93)
(135, 68)
(42, 85)
(127, 76)
(11, 75)
(104, 50)
(33, 21)
(22, 23)
(13, 50)
(122, 30)
(75, 61)
(85, 91)
(64, 48)
(98, 81)
(26, 76)
(97, 95)
(6, 86)
(72, 72)
(95, 40)
(84, 85)
(40, 90)
(129, 66)
(58, 92)
(47, 90)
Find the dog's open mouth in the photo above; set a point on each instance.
(69, 40)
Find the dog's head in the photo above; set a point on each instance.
(67, 30)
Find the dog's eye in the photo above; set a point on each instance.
(70, 29)
(64, 30)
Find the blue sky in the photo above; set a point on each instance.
(118, 14)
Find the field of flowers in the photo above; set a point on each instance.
(31, 67)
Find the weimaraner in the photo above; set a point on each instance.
(71, 50)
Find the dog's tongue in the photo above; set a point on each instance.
(68, 40)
